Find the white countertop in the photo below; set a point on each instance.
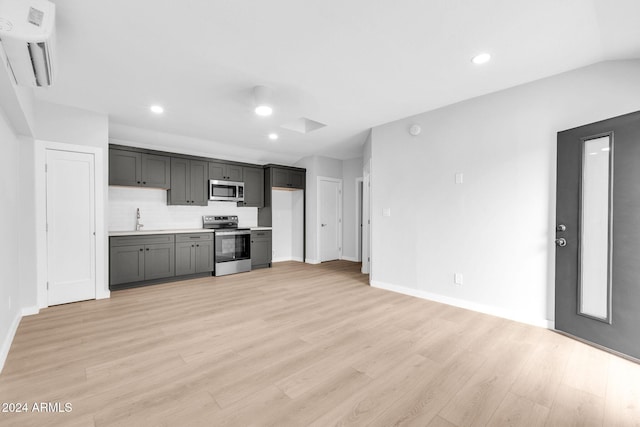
(173, 231)
(145, 232)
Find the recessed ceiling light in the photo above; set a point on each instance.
(156, 109)
(481, 58)
(273, 136)
(263, 110)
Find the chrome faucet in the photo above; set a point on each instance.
(138, 225)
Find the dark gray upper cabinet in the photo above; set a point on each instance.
(180, 193)
(287, 178)
(125, 168)
(260, 248)
(225, 171)
(137, 169)
(253, 187)
(188, 182)
(199, 183)
(156, 171)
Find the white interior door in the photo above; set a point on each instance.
(366, 223)
(71, 251)
(330, 219)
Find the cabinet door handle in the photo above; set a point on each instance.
(138, 182)
(147, 248)
(197, 246)
(144, 182)
(141, 249)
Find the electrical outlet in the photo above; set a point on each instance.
(457, 278)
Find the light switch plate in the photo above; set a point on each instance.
(459, 178)
(386, 211)
(457, 278)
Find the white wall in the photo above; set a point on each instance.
(316, 166)
(286, 207)
(351, 170)
(173, 143)
(497, 228)
(10, 301)
(17, 102)
(348, 171)
(27, 221)
(157, 215)
(310, 226)
(68, 125)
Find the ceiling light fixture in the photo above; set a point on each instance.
(261, 99)
(273, 136)
(156, 109)
(481, 58)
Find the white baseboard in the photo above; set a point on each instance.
(469, 305)
(287, 259)
(8, 339)
(30, 311)
(103, 294)
(349, 258)
(312, 261)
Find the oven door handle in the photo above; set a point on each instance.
(232, 233)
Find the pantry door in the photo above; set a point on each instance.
(71, 226)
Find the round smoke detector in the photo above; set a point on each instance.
(415, 130)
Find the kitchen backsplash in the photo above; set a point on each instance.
(155, 214)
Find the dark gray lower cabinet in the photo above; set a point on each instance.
(139, 258)
(136, 260)
(260, 248)
(194, 253)
(127, 264)
(159, 261)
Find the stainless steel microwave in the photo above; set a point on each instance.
(226, 191)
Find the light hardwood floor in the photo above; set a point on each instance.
(300, 345)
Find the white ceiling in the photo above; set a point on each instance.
(350, 64)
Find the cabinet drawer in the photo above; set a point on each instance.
(190, 237)
(141, 240)
(261, 234)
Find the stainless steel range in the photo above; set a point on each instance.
(232, 244)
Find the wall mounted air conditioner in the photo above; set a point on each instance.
(27, 34)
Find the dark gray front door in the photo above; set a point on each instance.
(598, 233)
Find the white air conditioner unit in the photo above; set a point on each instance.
(27, 33)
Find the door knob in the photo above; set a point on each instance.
(562, 242)
(561, 227)
(323, 225)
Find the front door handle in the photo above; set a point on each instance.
(562, 242)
